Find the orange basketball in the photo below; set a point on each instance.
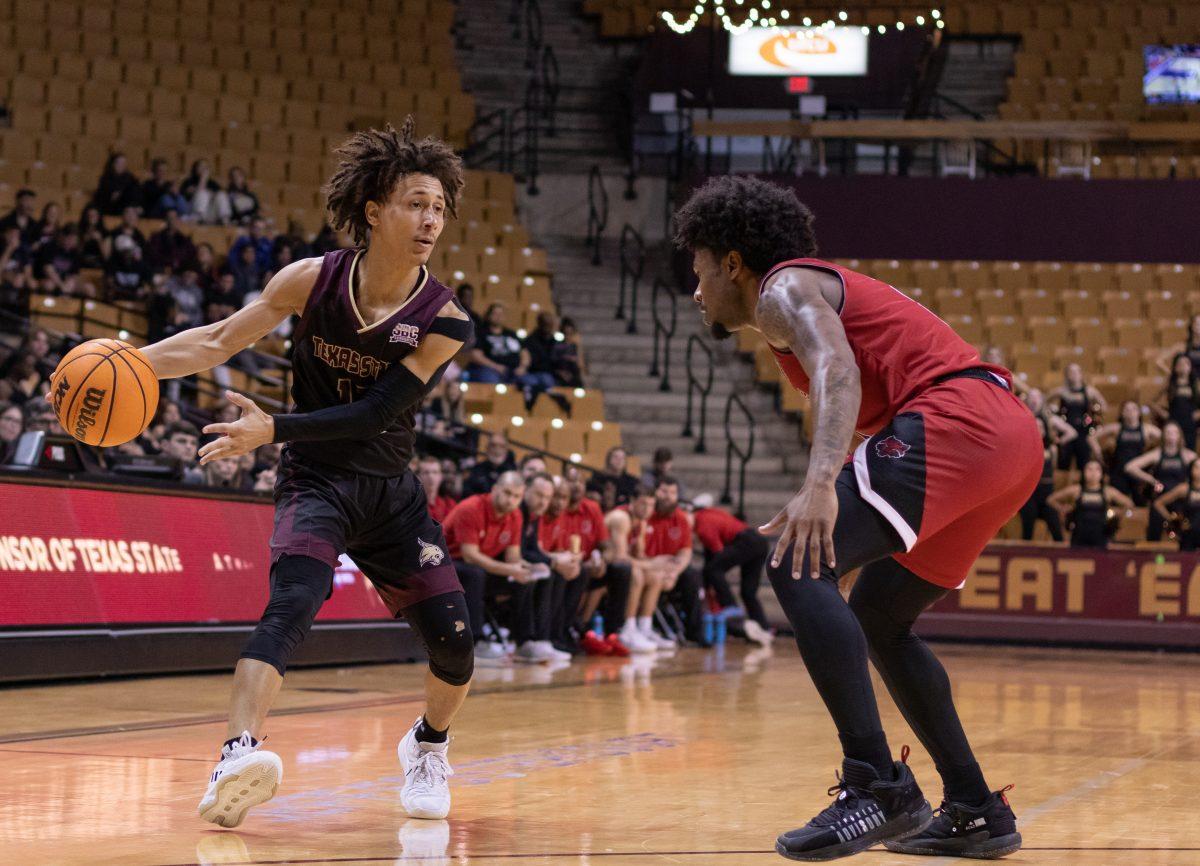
(104, 392)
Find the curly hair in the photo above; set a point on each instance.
(372, 162)
(764, 222)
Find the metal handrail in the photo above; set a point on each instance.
(597, 197)
(485, 130)
(530, 112)
(743, 455)
(550, 75)
(632, 253)
(659, 288)
(694, 385)
(533, 32)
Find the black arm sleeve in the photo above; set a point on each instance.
(531, 551)
(395, 391)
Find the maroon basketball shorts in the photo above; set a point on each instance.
(954, 465)
(382, 523)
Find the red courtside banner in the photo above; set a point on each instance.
(1072, 595)
(71, 556)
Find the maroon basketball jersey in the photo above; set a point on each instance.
(336, 356)
(901, 347)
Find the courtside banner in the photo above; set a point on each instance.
(798, 51)
(87, 557)
(1071, 595)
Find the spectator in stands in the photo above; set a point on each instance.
(1038, 506)
(206, 265)
(182, 441)
(497, 356)
(223, 299)
(264, 480)
(284, 254)
(128, 229)
(256, 238)
(1090, 507)
(189, 297)
(127, 274)
(36, 343)
(614, 484)
(575, 523)
(22, 381)
(174, 200)
(166, 415)
(730, 543)
(118, 189)
(429, 472)
(209, 202)
(39, 415)
(531, 465)
(326, 241)
(533, 610)
(466, 296)
(243, 203)
(16, 271)
(21, 216)
(1126, 438)
(154, 188)
(1161, 469)
(568, 356)
(48, 226)
(1181, 399)
(224, 472)
(661, 468)
(170, 248)
(483, 535)
(540, 347)
(93, 242)
(1181, 502)
(57, 264)
(12, 425)
(452, 479)
(498, 459)
(247, 276)
(1079, 405)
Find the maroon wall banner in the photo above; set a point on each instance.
(1059, 594)
(88, 557)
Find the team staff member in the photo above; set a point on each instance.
(666, 546)
(730, 543)
(483, 535)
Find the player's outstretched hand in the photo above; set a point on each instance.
(807, 520)
(254, 428)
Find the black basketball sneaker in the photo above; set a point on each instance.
(984, 832)
(868, 810)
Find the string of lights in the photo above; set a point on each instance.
(763, 15)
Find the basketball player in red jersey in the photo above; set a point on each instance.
(376, 333)
(950, 455)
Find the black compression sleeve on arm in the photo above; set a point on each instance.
(396, 390)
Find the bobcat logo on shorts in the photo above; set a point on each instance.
(403, 333)
(431, 554)
(891, 447)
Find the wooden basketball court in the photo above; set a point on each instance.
(695, 760)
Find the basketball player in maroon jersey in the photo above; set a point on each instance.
(376, 333)
(950, 455)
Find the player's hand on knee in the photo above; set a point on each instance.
(808, 521)
(253, 429)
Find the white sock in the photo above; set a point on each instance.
(645, 624)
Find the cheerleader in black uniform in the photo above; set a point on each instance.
(1161, 469)
(1182, 398)
(1080, 405)
(1183, 500)
(1038, 506)
(1127, 439)
(1092, 507)
(1060, 430)
(1190, 347)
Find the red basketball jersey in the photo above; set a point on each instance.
(901, 347)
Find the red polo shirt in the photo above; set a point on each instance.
(667, 534)
(716, 527)
(585, 520)
(475, 521)
(440, 507)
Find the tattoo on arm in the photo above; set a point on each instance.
(793, 312)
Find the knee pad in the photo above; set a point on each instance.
(299, 586)
(445, 628)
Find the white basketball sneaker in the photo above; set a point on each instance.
(635, 640)
(244, 777)
(426, 791)
(660, 642)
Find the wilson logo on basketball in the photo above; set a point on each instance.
(891, 447)
(60, 392)
(92, 401)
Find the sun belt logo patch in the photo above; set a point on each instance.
(403, 333)
(431, 554)
(891, 447)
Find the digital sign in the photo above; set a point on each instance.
(791, 51)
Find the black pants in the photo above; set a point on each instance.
(748, 549)
(836, 639)
(532, 603)
(686, 598)
(1039, 508)
(615, 581)
(1077, 452)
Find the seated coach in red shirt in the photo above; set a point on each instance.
(667, 544)
(429, 471)
(729, 543)
(483, 533)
